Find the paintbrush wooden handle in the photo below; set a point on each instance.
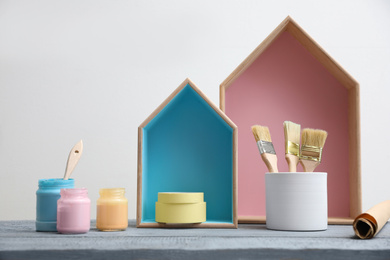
(73, 159)
(308, 165)
(271, 161)
(292, 162)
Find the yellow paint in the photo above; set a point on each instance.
(112, 210)
(180, 207)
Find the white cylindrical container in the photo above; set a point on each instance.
(296, 201)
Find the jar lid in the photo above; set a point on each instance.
(180, 197)
(74, 191)
(112, 191)
(56, 182)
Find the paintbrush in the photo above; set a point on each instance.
(313, 141)
(292, 136)
(266, 148)
(73, 159)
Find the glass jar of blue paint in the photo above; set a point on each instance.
(47, 195)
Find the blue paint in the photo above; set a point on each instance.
(188, 147)
(47, 196)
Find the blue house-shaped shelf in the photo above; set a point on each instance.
(188, 145)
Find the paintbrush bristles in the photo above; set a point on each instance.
(314, 137)
(292, 132)
(266, 148)
(313, 140)
(261, 133)
(292, 137)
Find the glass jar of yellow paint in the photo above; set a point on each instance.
(111, 210)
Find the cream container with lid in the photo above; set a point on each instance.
(180, 207)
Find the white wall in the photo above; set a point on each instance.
(96, 69)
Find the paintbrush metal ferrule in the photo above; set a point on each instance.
(266, 147)
(312, 153)
(292, 148)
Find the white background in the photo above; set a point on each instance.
(94, 70)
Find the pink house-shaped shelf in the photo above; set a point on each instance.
(290, 77)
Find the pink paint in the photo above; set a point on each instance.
(287, 83)
(73, 211)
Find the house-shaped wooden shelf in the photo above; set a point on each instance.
(290, 77)
(188, 145)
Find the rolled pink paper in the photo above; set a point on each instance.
(368, 224)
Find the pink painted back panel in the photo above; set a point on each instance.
(287, 83)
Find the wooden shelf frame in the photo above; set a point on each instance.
(346, 80)
(233, 176)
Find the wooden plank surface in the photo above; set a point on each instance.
(19, 240)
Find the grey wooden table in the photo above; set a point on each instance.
(19, 240)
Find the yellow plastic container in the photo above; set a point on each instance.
(180, 207)
(112, 210)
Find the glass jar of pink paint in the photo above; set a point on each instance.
(73, 211)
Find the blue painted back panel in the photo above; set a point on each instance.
(188, 147)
